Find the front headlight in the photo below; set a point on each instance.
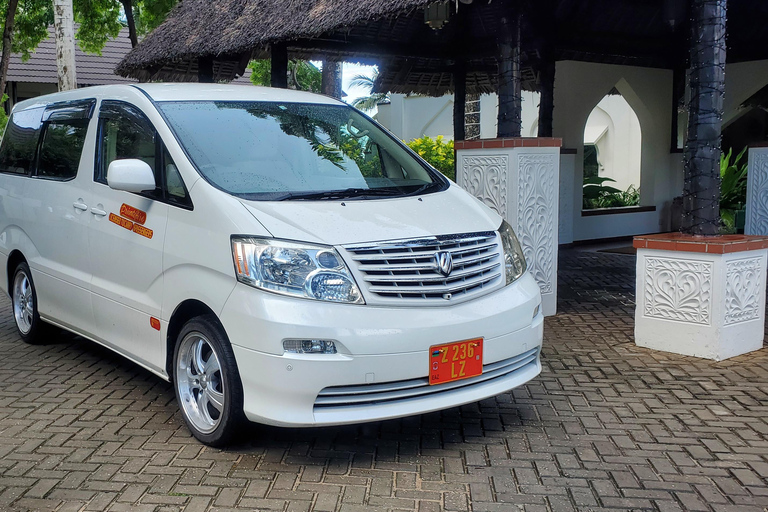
(299, 270)
(514, 259)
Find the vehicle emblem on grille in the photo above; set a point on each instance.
(444, 262)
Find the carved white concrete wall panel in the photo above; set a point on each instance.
(743, 283)
(536, 215)
(485, 177)
(521, 184)
(757, 192)
(678, 289)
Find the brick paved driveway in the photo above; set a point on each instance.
(607, 425)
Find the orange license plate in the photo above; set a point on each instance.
(455, 361)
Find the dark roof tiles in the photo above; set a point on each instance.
(91, 69)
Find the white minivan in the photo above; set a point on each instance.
(276, 255)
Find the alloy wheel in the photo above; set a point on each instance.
(199, 382)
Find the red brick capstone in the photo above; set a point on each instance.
(722, 244)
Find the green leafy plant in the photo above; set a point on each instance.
(302, 74)
(3, 115)
(599, 195)
(438, 152)
(733, 188)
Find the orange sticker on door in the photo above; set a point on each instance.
(136, 215)
(121, 221)
(141, 230)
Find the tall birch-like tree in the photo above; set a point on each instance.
(64, 32)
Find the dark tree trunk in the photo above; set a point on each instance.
(279, 66)
(701, 192)
(331, 80)
(547, 100)
(128, 8)
(5, 60)
(510, 83)
(205, 70)
(459, 101)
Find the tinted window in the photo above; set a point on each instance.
(17, 152)
(276, 151)
(125, 132)
(61, 149)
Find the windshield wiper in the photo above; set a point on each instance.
(341, 194)
(421, 189)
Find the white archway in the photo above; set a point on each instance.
(613, 130)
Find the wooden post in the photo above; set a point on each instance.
(701, 189)
(510, 80)
(331, 79)
(547, 85)
(459, 100)
(205, 70)
(279, 65)
(64, 30)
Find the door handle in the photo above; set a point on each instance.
(98, 212)
(80, 206)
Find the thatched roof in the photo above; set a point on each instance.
(415, 58)
(231, 28)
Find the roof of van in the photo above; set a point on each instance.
(184, 92)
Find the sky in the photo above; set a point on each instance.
(349, 71)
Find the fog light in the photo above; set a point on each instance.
(309, 346)
(536, 310)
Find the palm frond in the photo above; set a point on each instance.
(369, 102)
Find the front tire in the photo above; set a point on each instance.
(207, 382)
(24, 303)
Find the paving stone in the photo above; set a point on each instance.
(606, 425)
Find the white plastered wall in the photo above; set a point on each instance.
(615, 129)
(412, 117)
(579, 87)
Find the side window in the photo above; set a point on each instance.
(61, 149)
(124, 132)
(17, 152)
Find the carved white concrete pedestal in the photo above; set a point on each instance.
(701, 296)
(519, 178)
(757, 192)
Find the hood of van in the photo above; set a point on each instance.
(335, 222)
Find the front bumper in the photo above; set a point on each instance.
(380, 349)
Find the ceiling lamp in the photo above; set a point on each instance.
(436, 15)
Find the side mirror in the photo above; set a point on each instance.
(131, 175)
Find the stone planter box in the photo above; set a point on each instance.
(519, 178)
(701, 296)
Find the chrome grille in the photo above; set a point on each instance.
(409, 269)
(388, 392)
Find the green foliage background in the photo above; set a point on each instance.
(733, 188)
(597, 194)
(303, 75)
(438, 152)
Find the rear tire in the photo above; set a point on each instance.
(207, 382)
(24, 305)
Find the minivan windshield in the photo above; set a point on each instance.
(273, 151)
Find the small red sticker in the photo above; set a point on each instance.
(136, 215)
(121, 221)
(141, 230)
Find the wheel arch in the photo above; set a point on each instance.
(183, 313)
(14, 258)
